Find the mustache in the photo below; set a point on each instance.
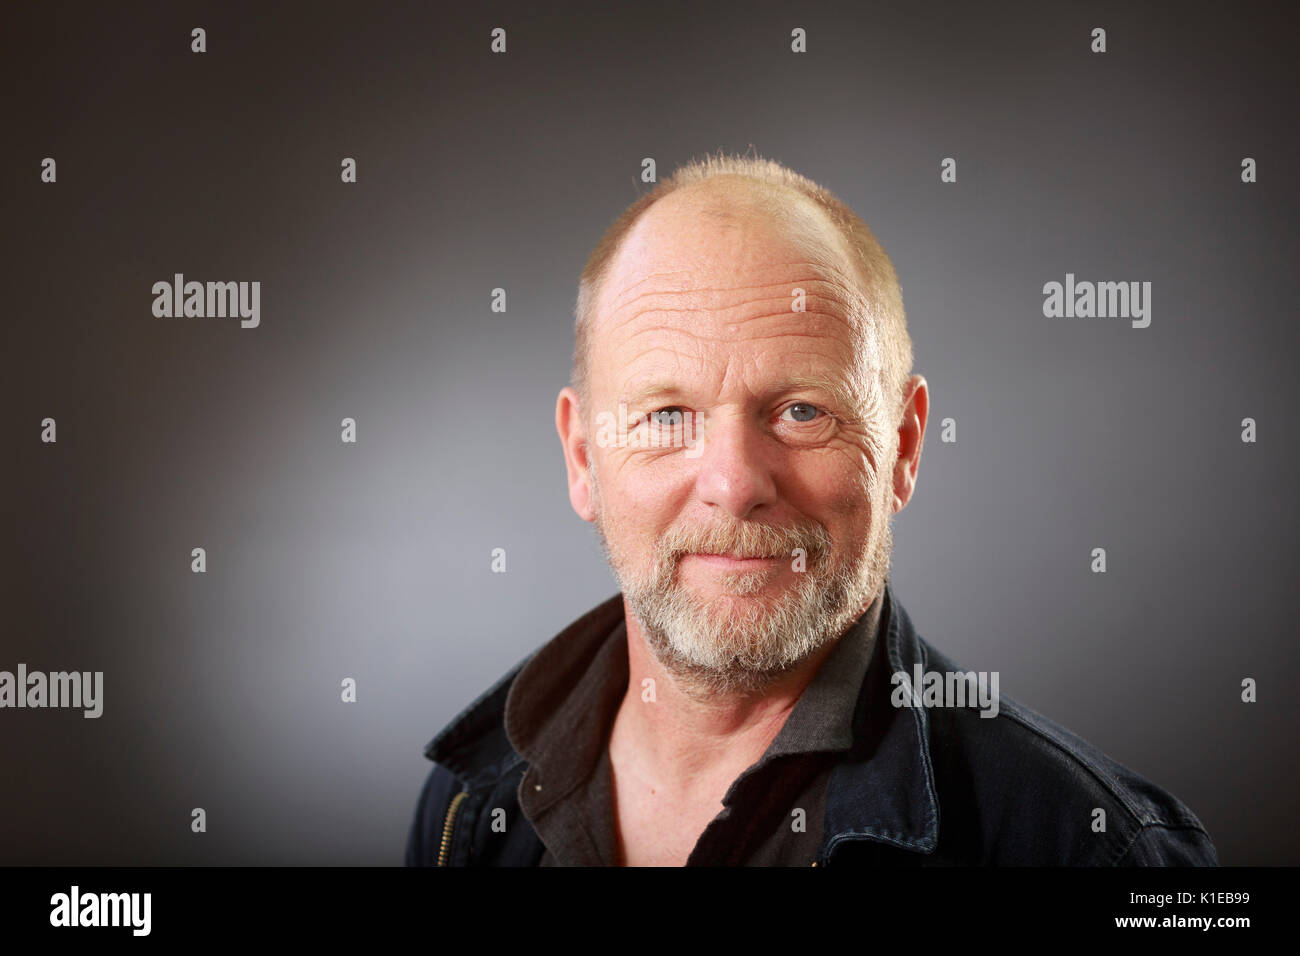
(746, 539)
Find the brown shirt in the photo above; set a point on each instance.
(559, 714)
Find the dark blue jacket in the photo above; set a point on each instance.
(921, 786)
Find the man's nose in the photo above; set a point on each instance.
(734, 473)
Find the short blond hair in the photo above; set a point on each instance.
(880, 295)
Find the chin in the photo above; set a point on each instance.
(744, 609)
(740, 593)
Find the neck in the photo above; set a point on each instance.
(682, 735)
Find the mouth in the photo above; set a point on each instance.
(731, 562)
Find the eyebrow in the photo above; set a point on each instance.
(838, 390)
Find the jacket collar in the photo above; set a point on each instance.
(475, 746)
(882, 789)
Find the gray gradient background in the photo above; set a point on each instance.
(328, 560)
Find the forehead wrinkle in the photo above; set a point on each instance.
(834, 279)
(833, 319)
(822, 274)
(651, 310)
(644, 279)
(678, 354)
(717, 290)
(700, 347)
(730, 338)
(844, 381)
(614, 323)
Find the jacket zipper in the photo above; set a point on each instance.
(447, 826)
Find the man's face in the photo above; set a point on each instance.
(744, 554)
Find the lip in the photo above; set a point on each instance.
(727, 562)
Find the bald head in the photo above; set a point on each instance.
(718, 209)
(699, 228)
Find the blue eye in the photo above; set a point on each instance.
(803, 412)
(668, 417)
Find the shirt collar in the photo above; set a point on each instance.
(822, 718)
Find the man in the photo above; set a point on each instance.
(741, 427)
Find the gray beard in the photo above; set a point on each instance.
(716, 646)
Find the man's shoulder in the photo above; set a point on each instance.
(1019, 782)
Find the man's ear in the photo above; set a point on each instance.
(911, 435)
(573, 439)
